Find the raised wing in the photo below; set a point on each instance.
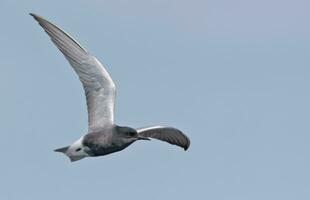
(167, 134)
(98, 85)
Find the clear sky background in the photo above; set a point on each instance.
(233, 75)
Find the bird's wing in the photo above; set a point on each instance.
(98, 85)
(167, 134)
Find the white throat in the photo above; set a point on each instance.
(76, 151)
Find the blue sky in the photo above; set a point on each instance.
(233, 75)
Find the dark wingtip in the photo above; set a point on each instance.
(186, 147)
(35, 16)
(188, 142)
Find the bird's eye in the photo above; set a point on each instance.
(78, 149)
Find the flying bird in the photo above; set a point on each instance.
(103, 137)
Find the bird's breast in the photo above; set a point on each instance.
(103, 144)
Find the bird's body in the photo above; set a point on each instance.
(107, 140)
(103, 137)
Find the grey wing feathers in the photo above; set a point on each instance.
(167, 134)
(98, 85)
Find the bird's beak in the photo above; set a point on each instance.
(143, 138)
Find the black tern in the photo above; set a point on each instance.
(103, 137)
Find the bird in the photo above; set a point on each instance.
(103, 136)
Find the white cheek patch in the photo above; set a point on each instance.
(74, 148)
(77, 144)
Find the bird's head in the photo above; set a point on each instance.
(76, 151)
